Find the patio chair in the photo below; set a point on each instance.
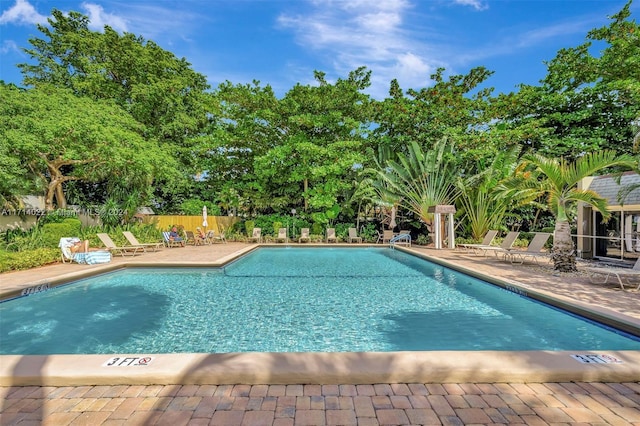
(353, 236)
(304, 236)
(256, 235)
(502, 249)
(486, 241)
(387, 235)
(123, 250)
(88, 258)
(212, 237)
(169, 242)
(533, 251)
(282, 236)
(190, 238)
(619, 273)
(331, 235)
(134, 242)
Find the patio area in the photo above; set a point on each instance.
(458, 400)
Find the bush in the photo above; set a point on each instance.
(52, 232)
(248, 227)
(26, 259)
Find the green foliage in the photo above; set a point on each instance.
(52, 232)
(194, 207)
(248, 227)
(276, 227)
(10, 261)
(421, 179)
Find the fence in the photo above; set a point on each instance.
(190, 223)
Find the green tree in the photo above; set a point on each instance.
(453, 107)
(156, 88)
(60, 137)
(586, 103)
(555, 181)
(321, 146)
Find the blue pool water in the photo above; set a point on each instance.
(293, 300)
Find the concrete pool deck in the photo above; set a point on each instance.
(236, 376)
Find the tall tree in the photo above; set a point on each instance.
(321, 145)
(60, 137)
(453, 107)
(556, 182)
(586, 102)
(158, 89)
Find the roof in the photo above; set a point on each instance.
(608, 188)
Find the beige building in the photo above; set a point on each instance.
(619, 237)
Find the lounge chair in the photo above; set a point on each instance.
(123, 250)
(256, 235)
(331, 235)
(88, 258)
(486, 241)
(212, 237)
(304, 236)
(282, 235)
(134, 242)
(190, 238)
(533, 251)
(353, 236)
(502, 249)
(617, 272)
(169, 242)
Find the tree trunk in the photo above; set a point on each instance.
(564, 258)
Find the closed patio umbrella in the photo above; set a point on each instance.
(204, 217)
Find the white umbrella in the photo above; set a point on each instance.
(204, 217)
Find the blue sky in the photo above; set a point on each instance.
(281, 42)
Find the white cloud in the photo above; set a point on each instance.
(98, 18)
(22, 13)
(476, 4)
(9, 46)
(367, 33)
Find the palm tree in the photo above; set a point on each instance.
(422, 179)
(481, 207)
(556, 181)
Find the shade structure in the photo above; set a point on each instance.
(204, 217)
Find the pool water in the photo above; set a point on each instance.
(293, 300)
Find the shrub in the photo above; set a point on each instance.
(248, 226)
(26, 259)
(276, 227)
(52, 232)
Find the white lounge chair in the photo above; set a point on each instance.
(617, 272)
(88, 258)
(282, 236)
(502, 249)
(304, 236)
(331, 235)
(134, 242)
(256, 235)
(486, 241)
(533, 251)
(123, 250)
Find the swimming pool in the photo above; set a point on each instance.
(293, 300)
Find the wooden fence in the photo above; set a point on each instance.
(190, 223)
